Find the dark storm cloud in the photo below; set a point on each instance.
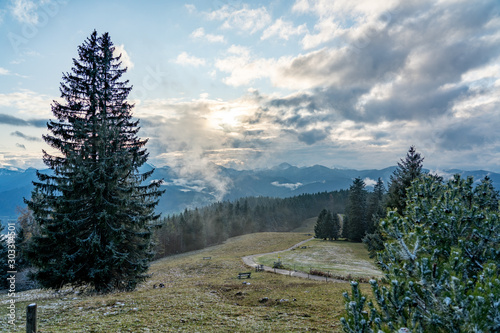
(11, 120)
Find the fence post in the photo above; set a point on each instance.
(31, 318)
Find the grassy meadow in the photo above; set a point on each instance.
(199, 295)
(340, 258)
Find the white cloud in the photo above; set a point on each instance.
(242, 68)
(27, 102)
(239, 50)
(301, 6)
(308, 71)
(287, 185)
(200, 33)
(125, 59)
(25, 11)
(187, 60)
(339, 19)
(283, 30)
(190, 8)
(246, 19)
(4, 71)
(192, 135)
(327, 31)
(369, 181)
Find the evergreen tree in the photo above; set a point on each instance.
(373, 239)
(408, 170)
(442, 263)
(375, 206)
(21, 243)
(355, 221)
(334, 227)
(94, 214)
(321, 227)
(3, 259)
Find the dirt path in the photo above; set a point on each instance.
(250, 261)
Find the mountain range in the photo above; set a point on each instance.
(217, 183)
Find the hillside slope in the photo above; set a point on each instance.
(199, 295)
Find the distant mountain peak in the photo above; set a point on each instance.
(284, 166)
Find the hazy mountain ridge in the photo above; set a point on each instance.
(284, 180)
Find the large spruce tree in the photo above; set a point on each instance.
(95, 214)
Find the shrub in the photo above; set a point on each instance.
(442, 260)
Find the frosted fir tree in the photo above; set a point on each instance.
(409, 169)
(94, 213)
(441, 260)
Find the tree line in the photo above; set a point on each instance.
(365, 209)
(197, 228)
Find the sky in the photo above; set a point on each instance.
(252, 84)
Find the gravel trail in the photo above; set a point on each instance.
(250, 261)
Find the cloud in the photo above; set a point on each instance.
(21, 158)
(287, 185)
(27, 102)
(242, 69)
(11, 120)
(356, 78)
(284, 30)
(4, 71)
(24, 136)
(200, 34)
(125, 58)
(312, 136)
(342, 19)
(190, 8)
(193, 137)
(18, 145)
(24, 11)
(187, 60)
(369, 182)
(372, 79)
(196, 185)
(407, 68)
(244, 19)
